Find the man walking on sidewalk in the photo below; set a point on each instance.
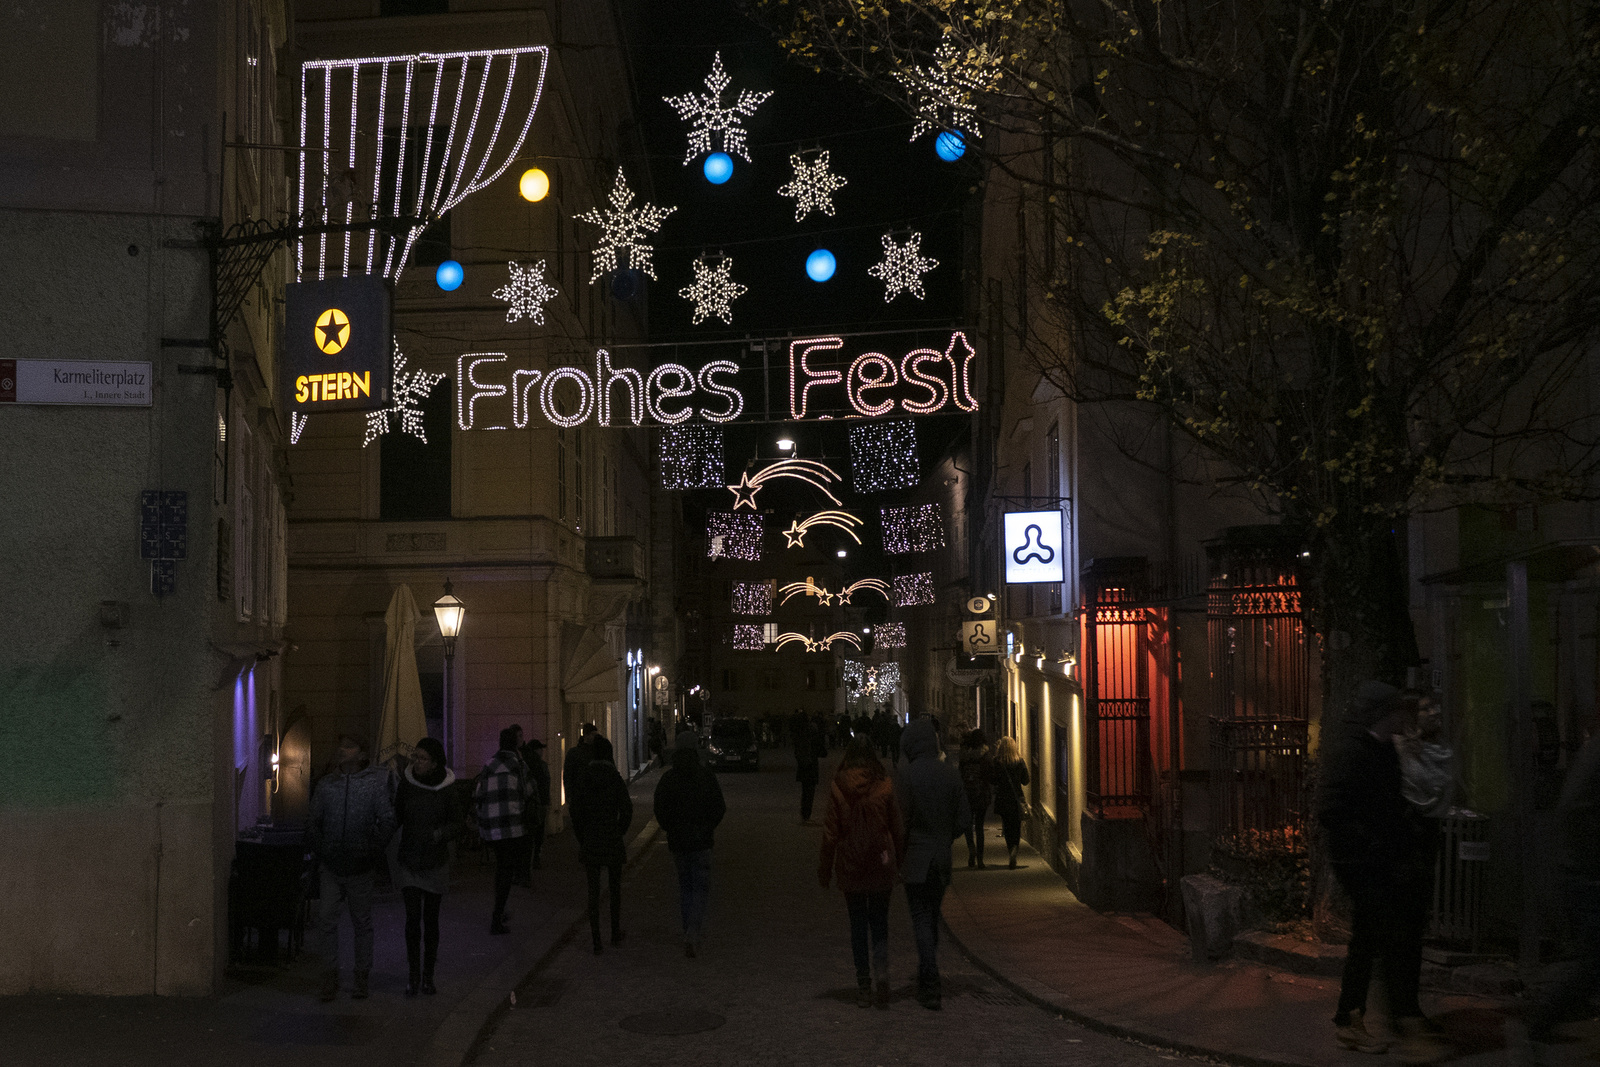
(503, 791)
(689, 806)
(602, 811)
(350, 823)
(936, 812)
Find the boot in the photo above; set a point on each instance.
(330, 985)
(972, 858)
(599, 946)
(863, 992)
(1353, 1035)
(358, 990)
(880, 995)
(428, 960)
(617, 935)
(1417, 1044)
(414, 984)
(1013, 863)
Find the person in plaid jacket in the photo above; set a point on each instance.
(501, 796)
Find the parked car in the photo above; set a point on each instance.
(733, 744)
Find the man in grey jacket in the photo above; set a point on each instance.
(351, 821)
(936, 812)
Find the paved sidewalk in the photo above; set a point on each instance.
(1132, 975)
(267, 1016)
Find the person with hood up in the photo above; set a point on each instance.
(430, 817)
(1010, 775)
(602, 811)
(688, 807)
(863, 844)
(977, 768)
(502, 793)
(348, 827)
(936, 813)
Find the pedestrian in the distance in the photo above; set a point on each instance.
(863, 845)
(976, 764)
(602, 811)
(1427, 782)
(430, 817)
(348, 827)
(808, 746)
(936, 812)
(501, 795)
(532, 753)
(688, 808)
(1010, 776)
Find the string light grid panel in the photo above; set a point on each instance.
(890, 635)
(748, 638)
(752, 598)
(692, 458)
(883, 455)
(914, 590)
(730, 535)
(917, 528)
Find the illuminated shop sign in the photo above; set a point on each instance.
(338, 345)
(1033, 547)
(816, 378)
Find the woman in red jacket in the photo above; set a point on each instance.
(863, 842)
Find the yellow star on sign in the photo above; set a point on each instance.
(333, 328)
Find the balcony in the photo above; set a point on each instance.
(615, 558)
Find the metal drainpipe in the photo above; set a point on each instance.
(1522, 755)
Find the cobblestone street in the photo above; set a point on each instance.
(776, 966)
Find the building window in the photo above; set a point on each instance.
(414, 478)
(730, 681)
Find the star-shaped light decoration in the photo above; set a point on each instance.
(706, 115)
(796, 533)
(408, 392)
(714, 290)
(623, 229)
(812, 186)
(941, 95)
(819, 475)
(527, 292)
(744, 494)
(903, 267)
(825, 598)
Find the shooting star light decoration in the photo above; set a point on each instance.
(818, 475)
(790, 638)
(796, 533)
(852, 639)
(871, 585)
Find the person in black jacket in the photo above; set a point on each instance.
(430, 816)
(601, 814)
(689, 806)
(809, 746)
(1009, 774)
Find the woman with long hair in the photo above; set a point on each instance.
(863, 843)
(1010, 776)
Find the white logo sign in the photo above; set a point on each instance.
(1033, 547)
(980, 637)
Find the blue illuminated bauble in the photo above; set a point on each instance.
(950, 146)
(449, 275)
(820, 265)
(625, 284)
(718, 167)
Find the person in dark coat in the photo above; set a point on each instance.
(578, 756)
(808, 748)
(1009, 776)
(538, 807)
(689, 806)
(863, 844)
(430, 816)
(977, 771)
(349, 824)
(936, 810)
(602, 811)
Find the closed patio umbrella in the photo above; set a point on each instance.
(403, 722)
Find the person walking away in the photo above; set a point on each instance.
(538, 809)
(1363, 816)
(348, 827)
(501, 795)
(808, 748)
(688, 807)
(863, 845)
(578, 756)
(1010, 775)
(936, 813)
(977, 770)
(429, 817)
(601, 814)
(1427, 782)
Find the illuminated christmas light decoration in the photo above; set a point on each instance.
(718, 168)
(812, 186)
(883, 455)
(297, 426)
(890, 635)
(527, 292)
(730, 535)
(849, 638)
(794, 589)
(347, 108)
(918, 528)
(752, 598)
(623, 230)
(820, 265)
(870, 585)
(790, 638)
(408, 392)
(877, 684)
(449, 276)
(950, 146)
(941, 95)
(534, 185)
(691, 457)
(796, 533)
(902, 267)
(914, 590)
(714, 290)
(706, 115)
(810, 471)
(885, 680)
(748, 638)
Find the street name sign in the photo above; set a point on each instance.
(75, 381)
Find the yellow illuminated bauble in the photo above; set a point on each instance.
(535, 185)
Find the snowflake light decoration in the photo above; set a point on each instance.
(730, 535)
(297, 426)
(902, 268)
(691, 458)
(941, 94)
(706, 115)
(408, 393)
(714, 290)
(883, 455)
(748, 638)
(527, 292)
(812, 186)
(752, 598)
(890, 634)
(623, 228)
(914, 590)
(918, 528)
